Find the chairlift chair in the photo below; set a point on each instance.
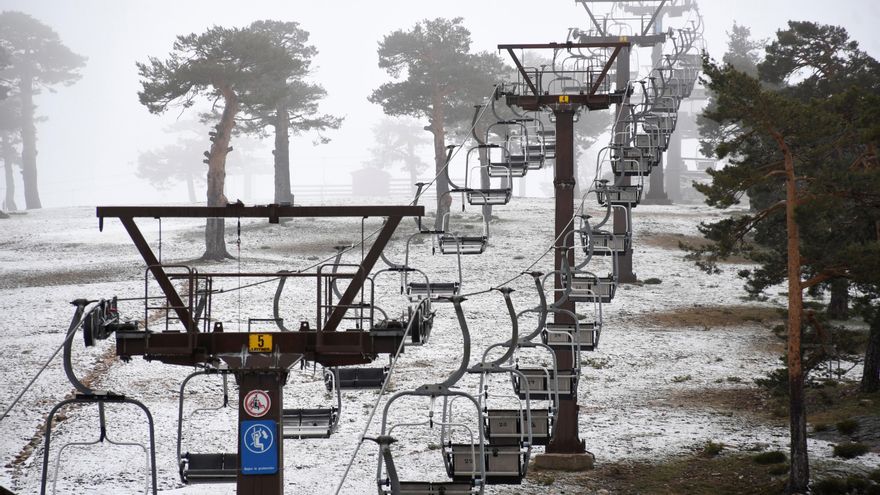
(418, 318)
(457, 243)
(434, 291)
(511, 137)
(479, 196)
(204, 467)
(98, 320)
(465, 481)
(309, 423)
(613, 194)
(355, 378)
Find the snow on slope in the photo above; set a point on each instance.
(627, 392)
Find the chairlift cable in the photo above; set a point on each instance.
(70, 333)
(378, 399)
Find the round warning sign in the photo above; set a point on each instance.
(257, 403)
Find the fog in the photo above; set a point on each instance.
(95, 129)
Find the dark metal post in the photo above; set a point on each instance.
(271, 382)
(625, 273)
(657, 193)
(565, 440)
(674, 167)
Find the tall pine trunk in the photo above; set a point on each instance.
(871, 374)
(485, 182)
(838, 307)
(28, 144)
(444, 199)
(215, 228)
(9, 160)
(190, 188)
(799, 475)
(282, 155)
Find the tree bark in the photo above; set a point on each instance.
(190, 188)
(28, 143)
(871, 374)
(838, 307)
(282, 155)
(799, 475)
(9, 160)
(485, 182)
(215, 228)
(444, 199)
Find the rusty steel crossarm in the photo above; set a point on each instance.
(340, 348)
(159, 273)
(264, 211)
(363, 270)
(604, 72)
(563, 45)
(594, 102)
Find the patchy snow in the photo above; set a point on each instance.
(630, 393)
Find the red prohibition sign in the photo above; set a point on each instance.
(257, 403)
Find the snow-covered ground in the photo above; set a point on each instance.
(633, 391)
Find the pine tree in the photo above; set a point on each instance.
(36, 59)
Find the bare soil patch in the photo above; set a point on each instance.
(709, 316)
(674, 241)
(739, 400)
(694, 475)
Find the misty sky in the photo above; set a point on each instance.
(96, 128)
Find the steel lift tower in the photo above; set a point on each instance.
(536, 95)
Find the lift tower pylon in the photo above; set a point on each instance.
(259, 361)
(565, 106)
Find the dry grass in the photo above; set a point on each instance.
(738, 400)
(709, 316)
(696, 475)
(80, 276)
(673, 241)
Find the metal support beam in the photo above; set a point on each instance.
(159, 273)
(565, 438)
(625, 273)
(605, 70)
(360, 276)
(265, 211)
(522, 70)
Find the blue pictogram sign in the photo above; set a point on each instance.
(259, 448)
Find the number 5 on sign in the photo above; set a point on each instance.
(260, 342)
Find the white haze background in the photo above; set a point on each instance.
(89, 145)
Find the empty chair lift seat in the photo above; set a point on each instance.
(651, 145)
(309, 423)
(606, 243)
(631, 162)
(506, 426)
(620, 195)
(504, 463)
(540, 384)
(463, 244)
(479, 197)
(435, 290)
(431, 488)
(515, 166)
(351, 378)
(209, 468)
(566, 336)
(589, 288)
(665, 104)
(389, 328)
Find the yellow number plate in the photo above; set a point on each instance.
(260, 342)
(563, 98)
